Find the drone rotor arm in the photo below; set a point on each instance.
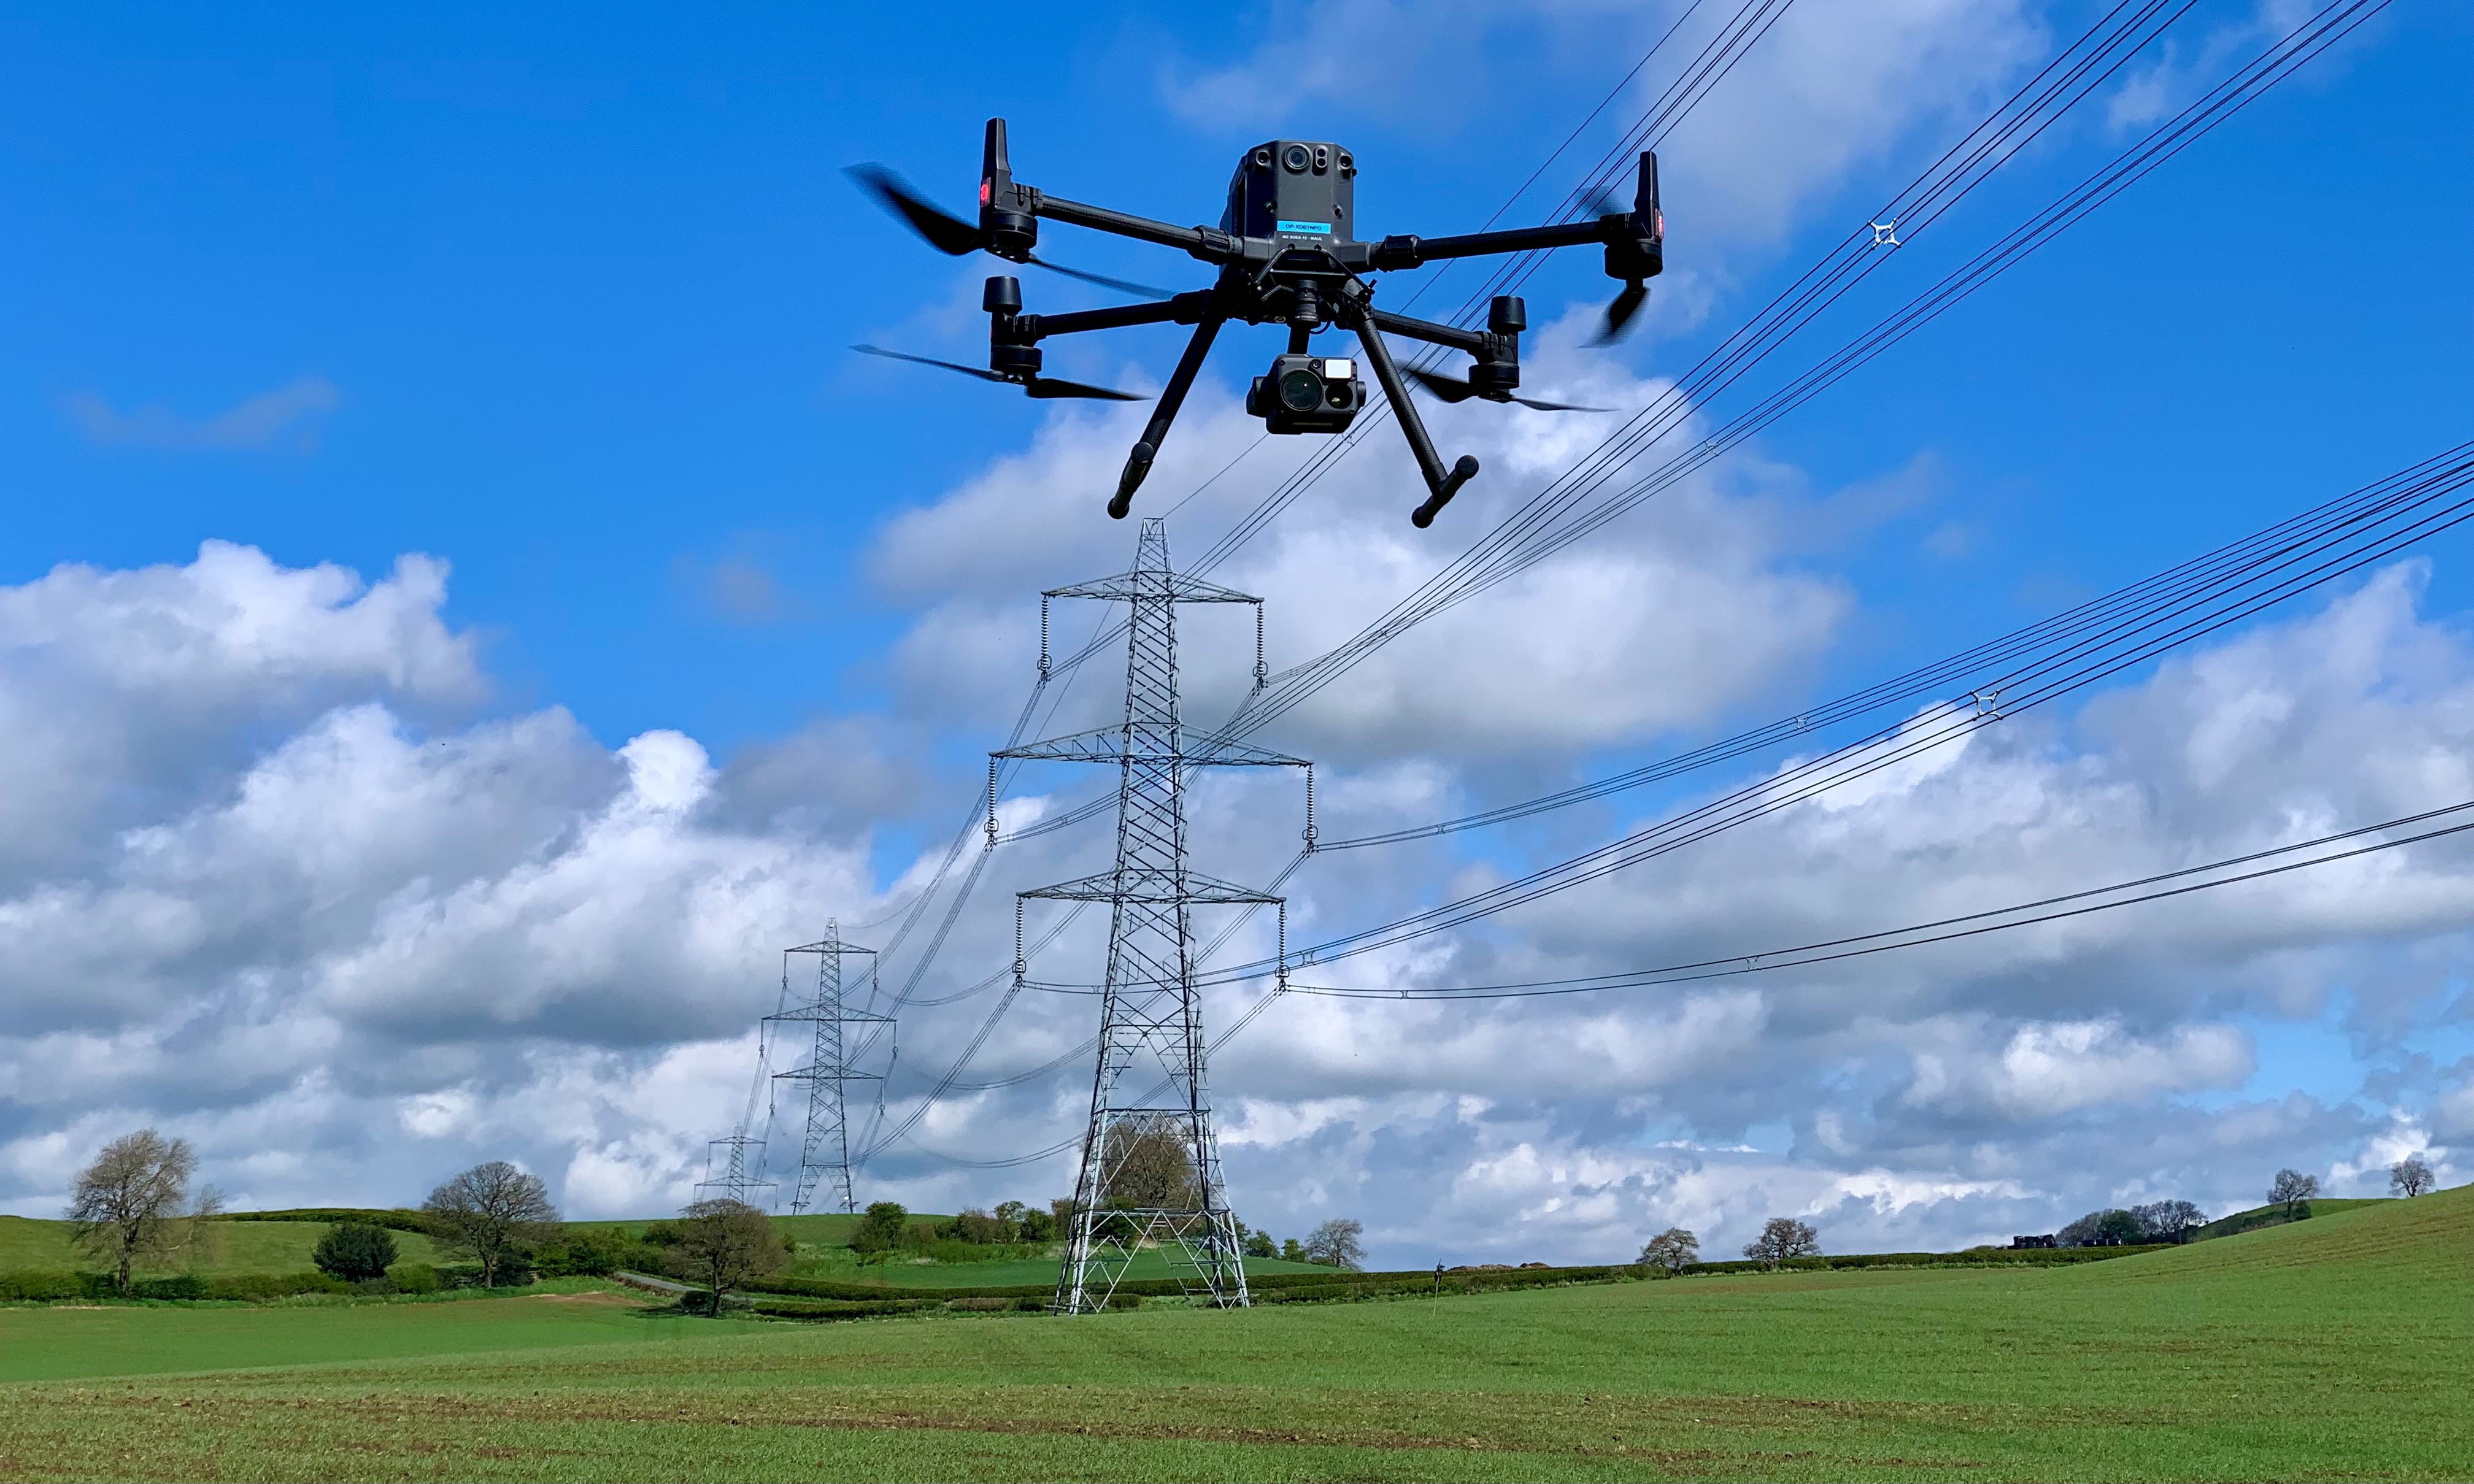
(1181, 309)
(1203, 242)
(1450, 337)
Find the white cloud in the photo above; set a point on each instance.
(291, 411)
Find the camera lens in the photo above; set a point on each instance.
(1343, 396)
(1302, 391)
(1296, 158)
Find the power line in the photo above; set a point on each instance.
(1943, 929)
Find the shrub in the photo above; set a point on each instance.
(598, 1251)
(35, 1287)
(414, 1277)
(258, 1287)
(355, 1251)
(180, 1285)
(882, 1229)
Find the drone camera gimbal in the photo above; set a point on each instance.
(1288, 255)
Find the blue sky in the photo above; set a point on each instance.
(561, 297)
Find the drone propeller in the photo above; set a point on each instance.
(955, 238)
(1627, 303)
(1452, 389)
(1043, 387)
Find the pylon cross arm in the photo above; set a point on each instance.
(1110, 745)
(1149, 887)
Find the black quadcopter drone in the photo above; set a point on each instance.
(1286, 256)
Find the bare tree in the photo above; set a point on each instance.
(723, 1244)
(1336, 1243)
(132, 1203)
(1150, 1166)
(1671, 1251)
(2291, 1188)
(2411, 1176)
(493, 1212)
(2167, 1220)
(1783, 1237)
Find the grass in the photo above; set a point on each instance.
(900, 1273)
(240, 1247)
(2339, 1347)
(2259, 1216)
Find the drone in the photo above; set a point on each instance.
(1287, 256)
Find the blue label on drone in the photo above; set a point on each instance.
(1311, 229)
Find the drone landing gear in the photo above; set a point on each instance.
(1138, 463)
(1440, 485)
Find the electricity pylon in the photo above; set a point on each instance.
(824, 1155)
(741, 1176)
(1151, 1163)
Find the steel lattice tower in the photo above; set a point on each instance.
(824, 1155)
(741, 1176)
(1151, 1163)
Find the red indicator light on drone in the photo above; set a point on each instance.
(983, 193)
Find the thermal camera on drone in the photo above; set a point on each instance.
(1288, 255)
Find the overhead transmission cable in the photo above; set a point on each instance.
(2115, 47)
(2021, 915)
(1556, 517)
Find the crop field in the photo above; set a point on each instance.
(2339, 1347)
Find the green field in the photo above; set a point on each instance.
(2338, 1347)
(239, 1247)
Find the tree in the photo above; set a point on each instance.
(1336, 1244)
(1259, 1244)
(495, 1211)
(2410, 1176)
(2111, 1226)
(723, 1244)
(355, 1251)
(1783, 1237)
(881, 1228)
(1290, 1251)
(1152, 1167)
(1671, 1251)
(2167, 1220)
(132, 1203)
(2291, 1188)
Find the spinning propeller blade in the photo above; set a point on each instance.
(955, 238)
(1452, 389)
(981, 372)
(1042, 387)
(1619, 313)
(1050, 386)
(1121, 285)
(946, 234)
(1442, 388)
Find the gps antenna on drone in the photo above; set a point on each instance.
(1288, 255)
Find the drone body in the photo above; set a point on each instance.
(1288, 255)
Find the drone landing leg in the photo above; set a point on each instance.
(1138, 463)
(1440, 486)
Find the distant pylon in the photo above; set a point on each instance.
(1151, 1161)
(824, 1155)
(742, 1177)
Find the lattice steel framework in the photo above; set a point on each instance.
(1151, 1163)
(741, 1157)
(831, 1067)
